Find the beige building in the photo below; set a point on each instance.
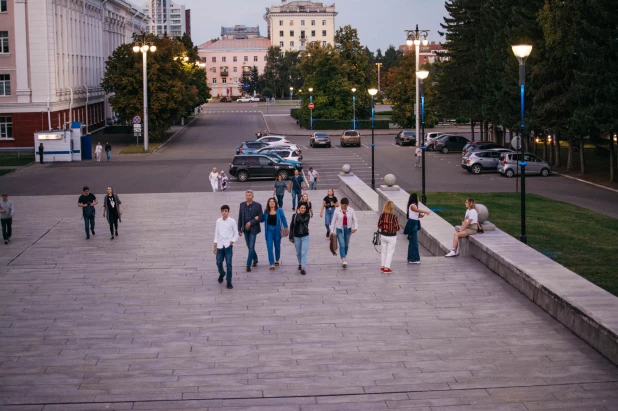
(295, 23)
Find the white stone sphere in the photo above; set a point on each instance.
(346, 168)
(390, 180)
(483, 213)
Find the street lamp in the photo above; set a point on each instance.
(354, 108)
(379, 66)
(422, 75)
(372, 93)
(311, 102)
(291, 92)
(300, 96)
(144, 49)
(414, 37)
(522, 51)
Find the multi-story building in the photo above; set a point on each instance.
(166, 17)
(188, 22)
(227, 60)
(52, 59)
(240, 32)
(430, 53)
(293, 24)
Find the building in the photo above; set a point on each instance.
(428, 54)
(188, 22)
(226, 60)
(52, 59)
(293, 24)
(240, 32)
(170, 18)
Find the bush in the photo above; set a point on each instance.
(295, 113)
(325, 124)
(119, 130)
(267, 92)
(462, 120)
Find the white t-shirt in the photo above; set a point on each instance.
(313, 176)
(472, 215)
(412, 215)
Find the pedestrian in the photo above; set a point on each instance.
(7, 211)
(388, 225)
(329, 204)
(280, 189)
(304, 199)
(413, 226)
(250, 215)
(97, 151)
(469, 226)
(223, 181)
(41, 149)
(108, 150)
(297, 186)
(112, 211)
(87, 201)
(225, 236)
(258, 134)
(344, 224)
(299, 235)
(314, 177)
(265, 133)
(418, 155)
(214, 179)
(275, 227)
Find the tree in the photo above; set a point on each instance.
(244, 84)
(281, 71)
(254, 82)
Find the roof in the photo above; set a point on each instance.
(227, 44)
(240, 29)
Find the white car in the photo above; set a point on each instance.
(429, 137)
(284, 152)
(248, 99)
(279, 142)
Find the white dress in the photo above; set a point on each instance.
(97, 152)
(214, 181)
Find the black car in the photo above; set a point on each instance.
(446, 144)
(259, 166)
(406, 137)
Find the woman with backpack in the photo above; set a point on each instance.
(388, 225)
(112, 211)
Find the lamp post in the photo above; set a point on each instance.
(422, 75)
(144, 49)
(354, 108)
(372, 93)
(300, 96)
(291, 92)
(379, 66)
(522, 51)
(311, 110)
(414, 37)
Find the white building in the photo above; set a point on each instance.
(292, 24)
(52, 59)
(170, 17)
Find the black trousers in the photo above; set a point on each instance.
(7, 229)
(113, 224)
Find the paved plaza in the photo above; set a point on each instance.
(141, 323)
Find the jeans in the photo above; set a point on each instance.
(413, 254)
(108, 154)
(388, 249)
(343, 237)
(313, 185)
(280, 200)
(302, 249)
(225, 253)
(418, 161)
(272, 241)
(295, 198)
(250, 240)
(328, 217)
(7, 228)
(113, 223)
(89, 225)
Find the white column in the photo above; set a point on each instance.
(419, 138)
(22, 89)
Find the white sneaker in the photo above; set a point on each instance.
(453, 253)
(345, 264)
(414, 262)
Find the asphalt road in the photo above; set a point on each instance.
(184, 163)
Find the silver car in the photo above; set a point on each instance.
(476, 162)
(508, 165)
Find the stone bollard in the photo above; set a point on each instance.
(483, 213)
(346, 170)
(390, 181)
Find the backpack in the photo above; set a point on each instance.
(89, 211)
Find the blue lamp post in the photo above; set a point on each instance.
(354, 109)
(372, 93)
(291, 92)
(311, 110)
(422, 75)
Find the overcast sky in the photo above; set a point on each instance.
(379, 22)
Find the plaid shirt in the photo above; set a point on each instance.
(388, 223)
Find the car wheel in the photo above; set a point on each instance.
(283, 174)
(328, 146)
(444, 150)
(242, 176)
(397, 142)
(429, 148)
(358, 145)
(477, 168)
(545, 172)
(509, 173)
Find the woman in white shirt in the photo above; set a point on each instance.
(344, 224)
(469, 226)
(214, 180)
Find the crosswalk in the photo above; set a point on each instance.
(231, 111)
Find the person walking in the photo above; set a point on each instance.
(98, 150)
(388, 225)
(275, 227)
(469, 226)
(41, 150)
(299, 235)
(329, 204)
(87, 201)
(314, 177)
(297, 186)
(112, 211)
(304, 199)
(108, 150)
(213, 177)
(6, 217)
(250, 215)
(258, 134)
(223, 181)
(413, 226)
(418, 154)
(279, 190)
(344, 224)
(226, 235)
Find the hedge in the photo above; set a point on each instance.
(295, 113)
(324, 124)
(119, 130)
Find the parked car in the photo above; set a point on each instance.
(476, 162)
(350, 138)
(432, 136)
(259, 166)
(250, 147)
(509, 167)
(480, 145)
(319, 139)
(279, 141)
(284, 152)
(225, 100)
(296, 163)
(406, 137)
(448, 143)
(247, 99)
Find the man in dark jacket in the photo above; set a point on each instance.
(250, 216)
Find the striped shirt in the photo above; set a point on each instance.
(388, 224)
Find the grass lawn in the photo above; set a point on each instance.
(16, 160)
(581, 240)
(135, 149)
(4, 171)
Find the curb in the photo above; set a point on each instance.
(176, 133)
(586, 182)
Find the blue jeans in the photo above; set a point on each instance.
(302, 249)
(89, 225)
(226, 254)
(280, 200)
(313, 185)
(328, 217)
(108, 153)
(272, 241)
(413, 254)
(295, 198)
(250, 240)
(343, 237)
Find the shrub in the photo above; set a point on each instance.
(325, 124)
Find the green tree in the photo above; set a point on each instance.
(254, 82)
(244, 84)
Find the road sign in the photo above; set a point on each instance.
(137, 127)
(516, 143)
(137, 120)
(137, 134)
(311, 106)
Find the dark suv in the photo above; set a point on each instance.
(259, 166)
(446, 144)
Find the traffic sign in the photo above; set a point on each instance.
(137, 120)
(137, 127)
(311, 106)
(516, 143)
(137, 134)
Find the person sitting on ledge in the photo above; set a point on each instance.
(468, 227)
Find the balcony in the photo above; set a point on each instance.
(223, 73)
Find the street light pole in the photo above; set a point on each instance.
(414, 37)
(311, 110)
(372, 93)
(291, 92)
(354, 109)
(379, 65)
(144, 49)
(422, 75)
(522, 52)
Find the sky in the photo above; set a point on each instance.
(379, 22)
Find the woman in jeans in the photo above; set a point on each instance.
(304, 199)
(469, 226)
(299, 235)
(388, 225)
(279, 190)
(112, 211)
(413, 225)
(344, 224)
(329, 204)
(275, 223)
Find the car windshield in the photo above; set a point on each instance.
(321, 135)
(409, 133)
(350, 133)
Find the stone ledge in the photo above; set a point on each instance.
(358, 192)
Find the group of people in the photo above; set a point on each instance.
(98, 150)
(112, 211)
(259, 134)
(218, 181)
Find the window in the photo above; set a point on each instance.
(291, 44)
(324, 22)
(313, 22)
(5, 85)
(281, 22)
(214, 59)
(214, 81)
(291, 22)
(224, 80)
(235, 59)
(323, 44)
(246, 58)
(302, 22)
(280, 33)
(265, 58)
(3, 6)
(281, 44)
(223, 59)
(265, 161)
(213, 69)
(312, 33)
(291, 33)
(6, 127)
(4, 41)
(302, 34)
(323, 33)
(203, 59)
(302, 44)
(255, 58)
(235, 69)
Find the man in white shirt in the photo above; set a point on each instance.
(344, 224)
(226, 235)
(314, 177)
